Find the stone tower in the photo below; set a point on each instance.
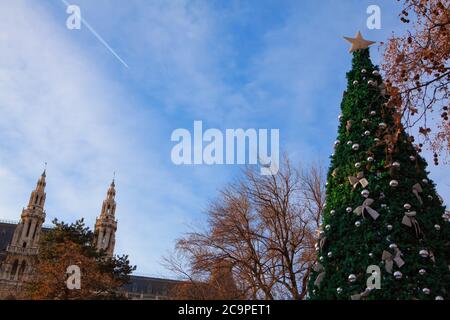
(21, 254)
(106, 225)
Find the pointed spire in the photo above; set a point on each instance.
(111, 190)
(113, 179)
(45, 170)
(37, 197)
(41, 182)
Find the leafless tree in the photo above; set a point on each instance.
(263, 228)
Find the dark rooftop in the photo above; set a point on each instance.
(6, 233)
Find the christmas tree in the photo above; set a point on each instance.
(382, 212)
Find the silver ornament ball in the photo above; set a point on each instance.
(358, 224)
(423, 253)
(355, 146)
(348, 209)
(365, 193)
(352, 278)
(426, 290)
(407, 206)
(398, 275)
(396, 164)
(392, 246)
(393, 183)
(422, 272)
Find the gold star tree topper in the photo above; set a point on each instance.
(358, 42)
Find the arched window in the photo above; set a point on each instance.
(21, 270)
(29, 227)
(14, 269)
(35, 231)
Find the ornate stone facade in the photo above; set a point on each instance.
(18, 258)
(19, 247)
(106, 225)
(21, 253)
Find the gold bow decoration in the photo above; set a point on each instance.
(409, 219)
(359, 179)
(416, 189)
(389, 259)
(318, 268)
(365, 207)
(362, 295)
(334, 173)
(348, 125)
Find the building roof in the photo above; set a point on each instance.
(142, 287)
(6, 233)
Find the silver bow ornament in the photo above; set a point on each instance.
(409, 219)
(318, 268)
(432, 256)
(382, 88)
(359, 179)
(389, 259)
(362, 295)
(322, 241)
(365, 207)
(416, 189)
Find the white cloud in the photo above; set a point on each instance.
(58, 105)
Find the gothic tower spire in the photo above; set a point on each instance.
(106, 225)
(22, 251)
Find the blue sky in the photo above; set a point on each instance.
(65, 99)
